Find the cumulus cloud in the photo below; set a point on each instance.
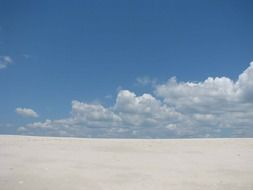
(94, 115)
(245, 84)
(5, 61)
(215, 107)
(211, 92)
(144, 110)
(26, 112)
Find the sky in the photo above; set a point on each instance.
(126, 69)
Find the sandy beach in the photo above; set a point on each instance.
(28, 163)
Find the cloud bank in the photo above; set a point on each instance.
(26, 112)
(215, 107)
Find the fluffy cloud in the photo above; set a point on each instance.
(143, 110)
(26, 112)
(215, 107)
(5, 61)
(245, 84)
(213, 92)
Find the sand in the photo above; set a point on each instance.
(48, 163)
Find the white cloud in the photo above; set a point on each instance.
(211, 95)
(94, 115)
(215, 107)
(26, 112)
(144, 110)
(146, 81)
(5, 61)
(206, 93)
(245, 84)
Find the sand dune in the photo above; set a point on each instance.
(40, 163)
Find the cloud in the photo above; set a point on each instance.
(26, 112)
(94, 115)
(5, 61)
(214, 95)
(144, 81)
(215, 107)
(144, 110)
(245, 84)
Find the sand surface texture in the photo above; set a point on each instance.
(41, 163)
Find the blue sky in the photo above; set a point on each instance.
(64, 60)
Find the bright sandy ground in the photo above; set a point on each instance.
(41, 163)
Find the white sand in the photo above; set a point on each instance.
(41, 163)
